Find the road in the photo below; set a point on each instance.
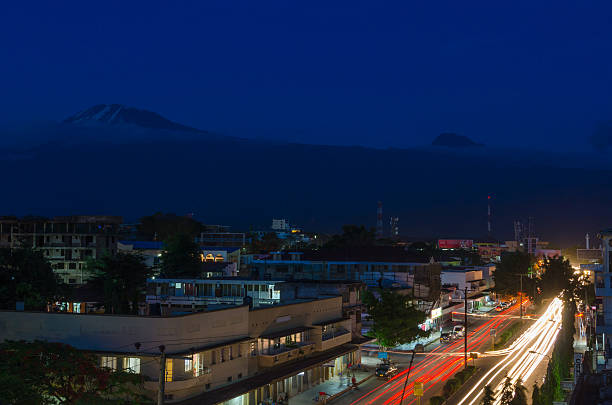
(432, 368)
(522, 358)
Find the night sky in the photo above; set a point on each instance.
(371, 73)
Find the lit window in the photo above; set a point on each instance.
(189, 365)
(109, 362)
(132, 364)
(168, 370)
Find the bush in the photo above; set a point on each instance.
(437, 400)
(449, 387)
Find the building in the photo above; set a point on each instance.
(166, 296)
(228, 355)
(221, 238)
(151, 252)
(280, 225)
(603, 292)
(474, 278)
(375, 266)
(67, 242)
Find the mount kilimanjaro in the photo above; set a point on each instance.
(112, 159)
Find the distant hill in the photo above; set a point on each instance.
(454, 141)
(139, 168)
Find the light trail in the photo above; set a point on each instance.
(438, 365)
(539, 338)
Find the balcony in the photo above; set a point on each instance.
(285, 353)
(340, 337)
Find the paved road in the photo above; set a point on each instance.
(433, 368)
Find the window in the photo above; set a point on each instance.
(72, 266)
(189, 365)
(231, 353)
(229, 378)
(253, 349)
(132, 364)
(222, 351)
(207, 386)
(72, 281)
(109, 362)
(213, 357)
(168, 370)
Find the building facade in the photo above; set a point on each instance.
(67, 242)
(232, 355)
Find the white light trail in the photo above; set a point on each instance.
(539, 338)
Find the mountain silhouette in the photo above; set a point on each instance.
(109, 161)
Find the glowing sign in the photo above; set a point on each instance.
(436, 313)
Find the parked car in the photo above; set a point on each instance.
(446, 337)
(499, 308)
(386, 371)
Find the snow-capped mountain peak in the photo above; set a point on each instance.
(115, 114)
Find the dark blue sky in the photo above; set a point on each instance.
(372, 72)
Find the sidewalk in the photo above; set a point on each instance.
(333, 386)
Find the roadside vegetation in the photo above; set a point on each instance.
(453, 385)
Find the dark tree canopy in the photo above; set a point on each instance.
(46, 373)
(395, 319)
(508, 271)
(558, 277)
(267, 243)
(181, 257)
(160, 226)
(352, 236)
(25, 275)
(123, 279)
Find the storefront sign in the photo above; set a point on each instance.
(436, 313)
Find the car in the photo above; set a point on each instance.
(499, 308)
(446, 337)
(386, 371)
(505, 304)
(458, 330)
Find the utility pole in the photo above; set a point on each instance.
(407, 376)
(521, 297)
(465, 330)
(162, 375)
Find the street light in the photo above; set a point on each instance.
(541, 354)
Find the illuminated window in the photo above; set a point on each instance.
(109, 362)
(189, 364)
(219, 258)
(168, 370)
(131, 365)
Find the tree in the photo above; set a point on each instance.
(558, 278)
(508, 271)
(50, 373)
(507, 392)
(395, 319)
(123, 279)
(536, 398)
(520, 394)
(25, 275)
(181, 257)
(488, 397)
(352, 236)
(160, 226)
(267, 243)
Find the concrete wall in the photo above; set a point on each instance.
(119, 333)
(283, 317)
